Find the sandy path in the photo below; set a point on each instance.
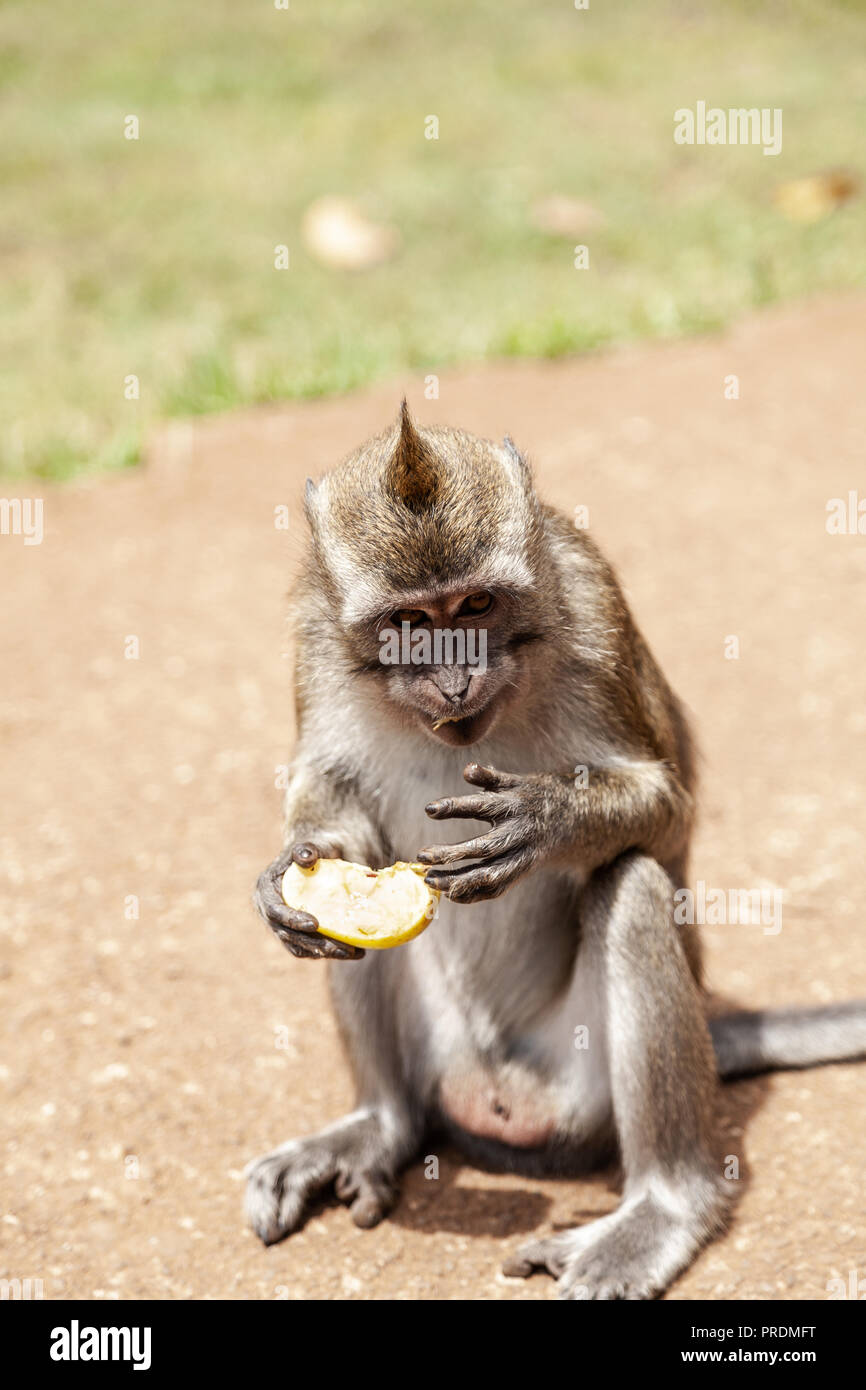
(141, 1065)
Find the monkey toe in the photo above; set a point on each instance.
(369, 1196)
(351, 1156)
(280, 1186)
(367, 1211)
(579, 1273)
(516, 1267)
(579, 1283)
(632, 1254)
(264, 1212)
(273, 1211)
(549, 1255)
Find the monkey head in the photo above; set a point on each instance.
(429, 557)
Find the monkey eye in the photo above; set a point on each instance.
(476, 604)
(413, 616)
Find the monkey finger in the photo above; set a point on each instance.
(282, 918)
(270, 884)
(479, 882)
(299, 931)
(317, 947)
(272, 906)
(490, 808)
(489, 777)
(305, 855)
(484, 847)
(269, 890)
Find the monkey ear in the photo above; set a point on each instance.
(413, 475)
(519, 465)
(311, 497)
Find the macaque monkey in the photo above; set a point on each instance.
(552, 795)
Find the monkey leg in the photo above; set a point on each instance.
(360, 1156)
(662, 1075)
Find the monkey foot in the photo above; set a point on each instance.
(349, 1156)
(632, 1254)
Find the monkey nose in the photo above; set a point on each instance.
(452, 682)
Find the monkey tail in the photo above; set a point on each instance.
(785, 1039)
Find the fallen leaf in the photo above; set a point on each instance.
(813, 198)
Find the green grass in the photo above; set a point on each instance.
(155, 257)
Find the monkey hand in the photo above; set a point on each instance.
(298, 931)
(523, 812)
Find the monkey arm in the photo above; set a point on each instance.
(557, 820)
(326, 805)
(324, 819)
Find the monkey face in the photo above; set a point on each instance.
(448, 659)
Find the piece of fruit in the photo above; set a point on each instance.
(360, 907)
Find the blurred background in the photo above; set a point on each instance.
(156, 257)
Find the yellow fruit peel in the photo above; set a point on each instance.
(360, 907)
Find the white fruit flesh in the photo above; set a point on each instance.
(360, 907)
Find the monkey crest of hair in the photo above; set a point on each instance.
(419, 504)
(413, 476)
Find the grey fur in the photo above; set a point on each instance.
(777, 1039)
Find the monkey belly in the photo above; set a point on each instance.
(512, 1038)
(501, 1106)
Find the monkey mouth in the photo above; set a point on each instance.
(446, 719)
(459, 730)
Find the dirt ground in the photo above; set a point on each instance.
(146, 1059)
